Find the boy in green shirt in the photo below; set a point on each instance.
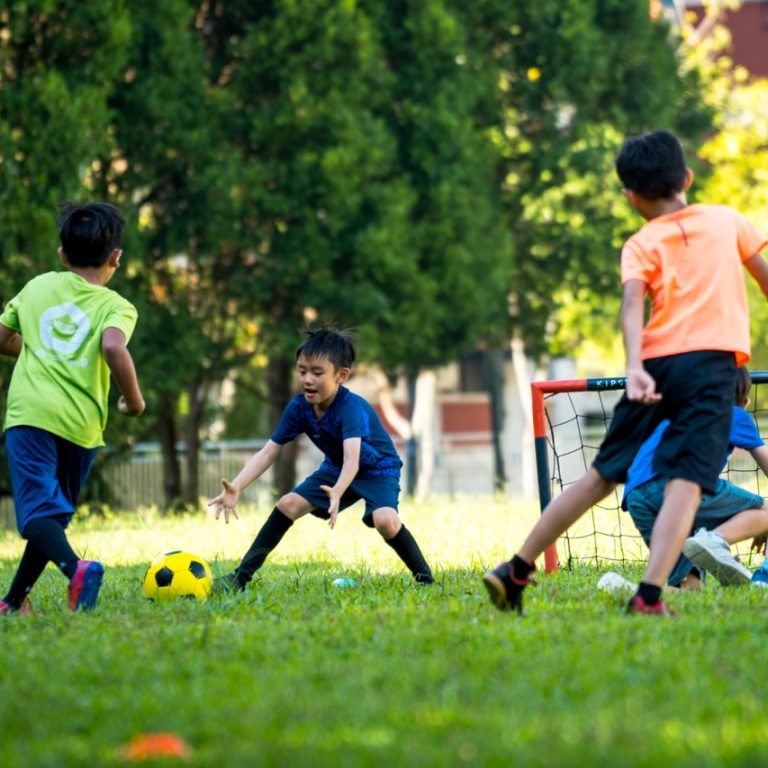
(69, 332)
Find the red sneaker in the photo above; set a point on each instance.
(638, 605)
(85, 585)
(25, 610)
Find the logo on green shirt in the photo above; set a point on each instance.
(63, 330)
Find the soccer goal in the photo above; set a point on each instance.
(570, 418)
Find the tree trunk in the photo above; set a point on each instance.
(524, 435)
(166, 427)
(197, 394)
(425, 429)
(495, 379)
(411, 458)
(279, 378)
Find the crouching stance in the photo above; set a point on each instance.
(360, 461)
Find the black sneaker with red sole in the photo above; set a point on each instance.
(505, 591)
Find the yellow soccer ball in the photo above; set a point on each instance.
(178, 574)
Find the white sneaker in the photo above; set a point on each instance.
(614, 582)
(710, 552)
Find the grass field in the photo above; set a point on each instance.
(298, 673)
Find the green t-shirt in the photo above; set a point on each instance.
(60, 382)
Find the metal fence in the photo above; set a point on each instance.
(463, 465)
(137, 480)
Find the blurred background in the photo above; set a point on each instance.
(436, 174)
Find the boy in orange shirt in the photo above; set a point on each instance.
(681, 365)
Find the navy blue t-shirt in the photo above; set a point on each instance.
(349, 415)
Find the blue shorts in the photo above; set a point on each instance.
(644, 503)
(377, 492)
(47, 473)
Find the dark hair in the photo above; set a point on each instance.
(743, 385)
(653, 165)
(90, 232)
(337, 346)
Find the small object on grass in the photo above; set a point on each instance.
(611, 581)
(149, 746)
(344, 582)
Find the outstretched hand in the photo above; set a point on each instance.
(333, 507)
(226, 501)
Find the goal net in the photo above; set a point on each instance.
(570, 419)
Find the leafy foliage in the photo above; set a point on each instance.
(413, 170)
(575, 78)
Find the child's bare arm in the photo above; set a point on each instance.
(757, 266)
(120, 363)
(254, 468)
(10, 342)
(349, 470)
(760, 455)
(640, 384)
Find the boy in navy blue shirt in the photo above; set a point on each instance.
(360, 461)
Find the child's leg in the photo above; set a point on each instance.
(563, 511)
(717, 528)
(745, 525)
(387, 522)
(643, 504)
(32, 564)
(47, 536)
(681, 500)
(506, 582)
(290, 508)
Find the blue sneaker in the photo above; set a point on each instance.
(84, 587)
(760, 576)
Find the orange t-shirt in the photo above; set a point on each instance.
(691, 261)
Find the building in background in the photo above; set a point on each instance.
(747, 24)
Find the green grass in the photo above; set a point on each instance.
(299, 673)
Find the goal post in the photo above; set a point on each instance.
(570, 418)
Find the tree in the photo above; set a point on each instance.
(57, 64)
(575, 78)
(174, 170)
(368, 179)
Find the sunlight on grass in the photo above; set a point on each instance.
(456, 532)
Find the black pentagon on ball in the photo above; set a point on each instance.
(197, 569)
(164, 577)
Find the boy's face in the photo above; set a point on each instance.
(320, 379)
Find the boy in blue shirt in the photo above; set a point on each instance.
(729, 515)
(360, 461)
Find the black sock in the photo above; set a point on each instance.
(408, 551)
(47, 535)
(266, 540)
(32, 564)
(650, 593)
(520, 569)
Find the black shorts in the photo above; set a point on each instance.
(698, 390)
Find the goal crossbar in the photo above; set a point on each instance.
(541, 391)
